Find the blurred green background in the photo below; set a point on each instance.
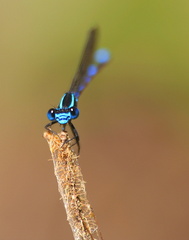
(133, 120)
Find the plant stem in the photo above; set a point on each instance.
(71, 186)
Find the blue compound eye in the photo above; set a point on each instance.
(51, 114)
(74, 112)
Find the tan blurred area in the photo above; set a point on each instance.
(133, 121)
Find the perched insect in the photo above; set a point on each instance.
(91, 63)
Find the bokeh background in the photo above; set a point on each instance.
(133, 123)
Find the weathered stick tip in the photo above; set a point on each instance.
(71, 186)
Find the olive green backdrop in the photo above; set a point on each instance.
(133, 122)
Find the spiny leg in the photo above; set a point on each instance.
(73, 129)
(76, 136)
(48, 127)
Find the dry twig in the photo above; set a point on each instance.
(71, 186)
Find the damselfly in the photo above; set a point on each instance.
(91, 62)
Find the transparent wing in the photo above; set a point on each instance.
(85, 62)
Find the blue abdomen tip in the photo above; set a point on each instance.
(92, 70)
(102, 56)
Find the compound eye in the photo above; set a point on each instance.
(74, 112)
(51, 114)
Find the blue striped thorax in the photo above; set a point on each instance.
(66, 111)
